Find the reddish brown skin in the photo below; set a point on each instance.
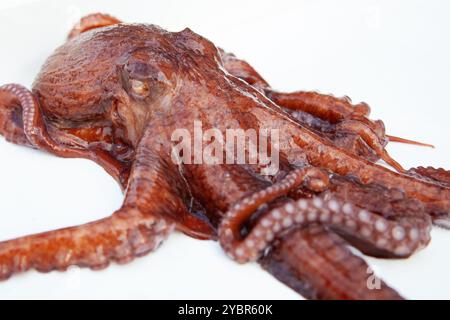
(115, 92)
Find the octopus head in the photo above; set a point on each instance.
(103, 88)
(148, 84)
(106, 99)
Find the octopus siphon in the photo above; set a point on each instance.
(115, 93)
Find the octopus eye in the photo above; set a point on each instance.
(139, 88)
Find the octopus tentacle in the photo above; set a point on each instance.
(292, 259)
(33, 123)
(438, 175)
(350, 141)
(242, 70)
(371, 139)
(124, 235)
(323, 154)
(134, 230)
(92, 21)
(408, 141)
(11, 126)
(318, 264)
(344, 270)
(341, 112)
(345, 116)
(401, 238)
(324, 106)
(314, 178)
(391, 203)
(34, 130)
(156, 186)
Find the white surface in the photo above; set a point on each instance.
(395, 55)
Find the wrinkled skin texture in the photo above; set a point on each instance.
(114, 93)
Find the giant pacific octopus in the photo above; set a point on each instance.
(114, 93)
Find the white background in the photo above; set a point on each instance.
(395, 55)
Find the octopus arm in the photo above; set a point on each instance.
(11, 124)
(138, 227)
(318, 264)
(345, 123)
(311, 259)
(242, 70)
(92, 21)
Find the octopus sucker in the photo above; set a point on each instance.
(309, 260)
(357, 223)
(115, 93)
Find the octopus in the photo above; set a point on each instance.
(115, 92)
